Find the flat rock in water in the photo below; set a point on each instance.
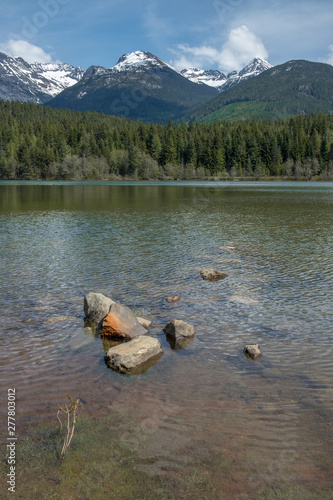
(144, 322)
(179, 330)
(252, 351)
(121, 324)
(96, 306)
(131, 356)
(213, 274)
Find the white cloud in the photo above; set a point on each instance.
(329, 58)
(29, 52)
(239, 49)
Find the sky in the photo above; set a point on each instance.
(216, 34)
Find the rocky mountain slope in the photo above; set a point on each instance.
(20, 81)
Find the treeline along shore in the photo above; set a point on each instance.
(37, 142)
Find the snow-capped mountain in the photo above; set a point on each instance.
(140, 86)
(138, 59)
(213, 78)
(218, 80)
(36, 82)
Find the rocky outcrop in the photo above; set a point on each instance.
(252, 351)
(96, 306)
(178, 329)
(121, 324)
(213, 274)
(134, 356)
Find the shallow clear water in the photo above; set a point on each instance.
(142, 242)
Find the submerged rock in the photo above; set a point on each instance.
(213, 274)
(173, 299)
(121, 324)
(55, 319)
(241, 299)
(144, 322)
(252, 351)
(134, 356)
(179, 330)
(96, 306)
(228, 248)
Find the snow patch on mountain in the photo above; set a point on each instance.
(213, 78)
(60, 76)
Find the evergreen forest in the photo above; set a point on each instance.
(37, 142)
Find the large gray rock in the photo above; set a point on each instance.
(134, 355)
(96, 306)
(179, 330)
(252, 351)
(213, 274)
(120, 323)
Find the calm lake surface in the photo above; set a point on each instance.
(205, 422)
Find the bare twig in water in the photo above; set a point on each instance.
(71, 411)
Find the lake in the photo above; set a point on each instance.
(205, 422)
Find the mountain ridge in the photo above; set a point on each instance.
(35, 82)
(222, 82)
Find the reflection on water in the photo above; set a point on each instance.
(141, 243)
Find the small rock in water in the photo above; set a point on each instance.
(178, 329)
(144, 322)
(252, 351)
(213, 274)
(173, 299)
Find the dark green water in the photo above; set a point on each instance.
(205, 422)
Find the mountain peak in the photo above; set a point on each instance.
(256, 66)
(134, 60)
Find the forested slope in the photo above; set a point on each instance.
(38, 142)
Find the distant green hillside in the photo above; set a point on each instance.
(293, 88)
(249, 110)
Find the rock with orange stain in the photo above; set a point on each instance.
(121, 324)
